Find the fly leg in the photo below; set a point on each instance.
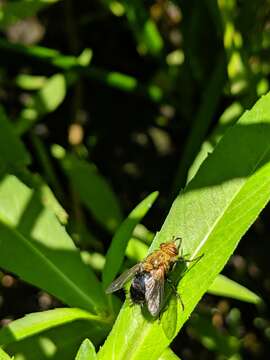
(182, 258)
(173, 287)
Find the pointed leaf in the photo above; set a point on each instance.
(94, 191)
(116, 252)
(211, 215)
(34, 323)
(86, 351)
(223, 286)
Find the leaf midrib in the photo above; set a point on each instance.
(141, 337)
(30, 244)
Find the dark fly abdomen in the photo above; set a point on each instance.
(137, 289)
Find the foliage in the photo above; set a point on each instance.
(121, 107)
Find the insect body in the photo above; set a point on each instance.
(148, 277)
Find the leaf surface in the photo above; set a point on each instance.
(35, 246)
(211, 215)
(86, 351)
(34, 323)
(223, 286)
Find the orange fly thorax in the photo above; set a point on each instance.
(169, 248)
(162, 258)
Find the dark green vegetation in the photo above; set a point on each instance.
(109, 109)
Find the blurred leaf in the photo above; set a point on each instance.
(95, 260)
(86, 351)
(136, 250)
(35, 323)
(143, 27)
(213, 212)
(4, 355)
(12, 151)
(94, 191)
(116, 252)
(205, 115)
(50, 96)
(223, 286)
(36, 247)
(61, 342)
(212, 338)
(53, 57)
(46, 100)
(47, 166)
(30, 82)
(47, 197)
(227, 119)
(12, 11)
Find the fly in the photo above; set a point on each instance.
(149, 276)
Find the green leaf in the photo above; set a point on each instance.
(136, 250)
(227, 119)
(36, 247)
(30, 82)
(94, 191)
(50, 96)
(116, 252)
(86, 351)
(222, 286)
(168, 354)
(13, 11)
(144, 28)
(211, 215)
(4, 355)
(60, 342)
(12, 150)
(209, 103)
(35, 323)
(45, 101)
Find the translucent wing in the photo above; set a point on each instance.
(154, 293)
(119, 282)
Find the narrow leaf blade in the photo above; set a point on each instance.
(34, 323)
(35, 246)
(211, 215)
(223, 286)
(116, 252)
(86, 351)
(94, 192)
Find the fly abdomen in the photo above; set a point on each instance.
(137, 289)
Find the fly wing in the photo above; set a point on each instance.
(119, 282)
(154, 294)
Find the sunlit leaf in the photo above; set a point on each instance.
(116, 252)
(223, 286)
(211, 215)
(4, 355)
(86, 351)
(34, 323)
(46, 100)
(36, 247)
